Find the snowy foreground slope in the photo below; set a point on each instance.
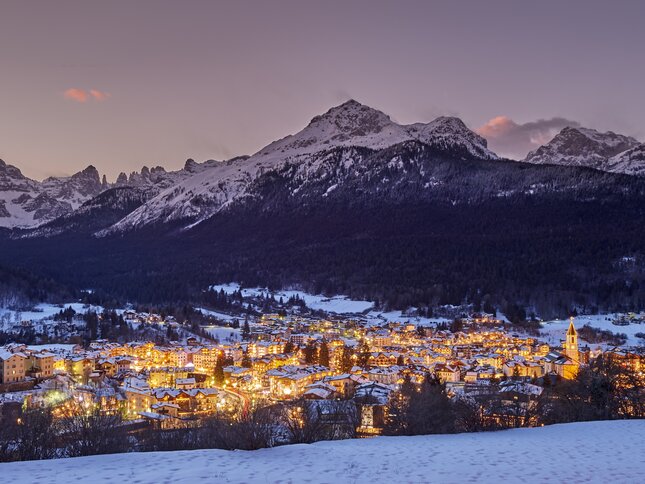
(580, 452)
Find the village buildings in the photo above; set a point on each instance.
(179, 381)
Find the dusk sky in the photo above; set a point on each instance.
(122, 84)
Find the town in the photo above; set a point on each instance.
(317, 362)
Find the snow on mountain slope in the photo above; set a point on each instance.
(100, 211)
(158, 179)
(349, 125)
(583, 147)
(631, 162)
(25, 202)
(75, 189)
(593, 452)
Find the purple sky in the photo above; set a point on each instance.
(207, 79)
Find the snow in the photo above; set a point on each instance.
(333, 304)
(223, 333)
(28, 203)
(349, 125)
(587, 147)
(341, 305)
(54, 347)
(553, 331)
(218, 315)
(46, 311)
(381, 317)
(579, 452)
(631, 162)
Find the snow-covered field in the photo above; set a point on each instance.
(553, 331)
(335, 304)
(218, 314)
(224, 334)
(381, 317)
(341, 305)
(44, 311)
(580, 452)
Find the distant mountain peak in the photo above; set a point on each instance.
(577, 146)
(90, 172)
(190, 164)
(350, 119)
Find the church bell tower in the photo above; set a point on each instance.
(571, 343)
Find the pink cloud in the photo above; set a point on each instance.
(82, 96)
(514, 140)
(78, 95)
(99, 95)
(496, 127)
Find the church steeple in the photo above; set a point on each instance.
(571, 343)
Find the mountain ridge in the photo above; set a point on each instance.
(347, 126)
(577, 146)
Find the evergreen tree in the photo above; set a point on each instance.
(363, 353)
(323, 354)
(346, 361)
(219, 369)
(456, 326)
(311, 353)
(288, 347)
(427, 410)
(246, 331)
(246, 360)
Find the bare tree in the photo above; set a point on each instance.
(92, 432)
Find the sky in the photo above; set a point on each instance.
(122, 84)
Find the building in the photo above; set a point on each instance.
(12, 366)
(41, 365)
(570, 346)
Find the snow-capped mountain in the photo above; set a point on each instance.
(585, 147)
(75, 189)
(349, 127)
(27, 203)
(96, 213)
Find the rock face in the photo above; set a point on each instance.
(26, 203)
(589, 148)
(158, 179)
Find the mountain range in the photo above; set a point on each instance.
(200, 190)
(355, 203)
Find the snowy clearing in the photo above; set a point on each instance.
(382, 318)
(46, 311)
(334, 304)
(579, 452)
(219, 315)
(223, 333)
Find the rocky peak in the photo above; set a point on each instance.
(190, 165)
(90, 174)
(582, 147)
(352, 119)
(10, 171)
